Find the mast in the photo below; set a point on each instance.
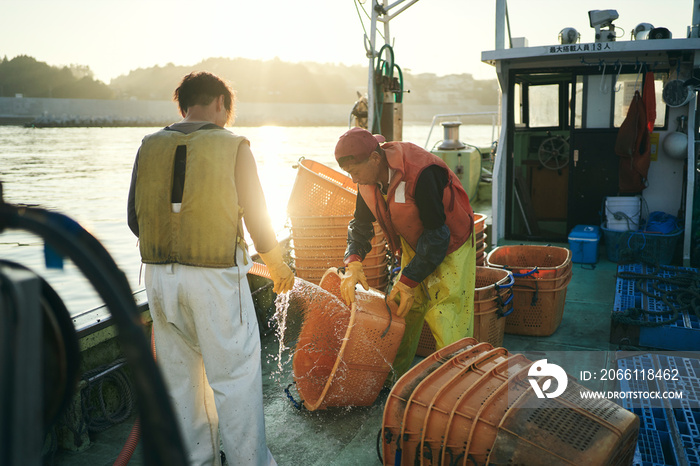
(694, 30)
(382, 12)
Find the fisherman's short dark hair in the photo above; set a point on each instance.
(201, 88)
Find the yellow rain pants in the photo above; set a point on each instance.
(448, 306)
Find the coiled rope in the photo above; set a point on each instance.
(681, 293)
(98, 416)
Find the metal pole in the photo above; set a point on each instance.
(500, 24)
(690, 189)
(396, 13)
(371, 98)
(695, 25)
(387, 35)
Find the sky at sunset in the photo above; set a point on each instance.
(432, 36)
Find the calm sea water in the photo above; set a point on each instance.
(85, 173)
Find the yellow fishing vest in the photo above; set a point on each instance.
(206, 230)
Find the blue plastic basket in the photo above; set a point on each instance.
(636, 246)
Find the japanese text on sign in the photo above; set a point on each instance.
(598, 46)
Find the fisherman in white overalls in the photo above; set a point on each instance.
(193, 183)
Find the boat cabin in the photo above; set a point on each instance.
(562, 109)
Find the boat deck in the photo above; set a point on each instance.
(348, 436)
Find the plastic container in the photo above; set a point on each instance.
(583, 242)
(476, 405)
(344, 354)
(542, 274)
(623, 212)
(472, 423)
(636, 246)
(378, 284)
(479, 223)
(463, 370)
(442, 409)
(335, 231)
(373, 260)
(480, 254)
(315, 221)
(310, 242)
(310, 275)
(652, 294)
(426, 342)
(658, 444)
(321, 191)
(403, 389)
(314, 250)
(319, 253)
(322, 263)
(493, 301)
(324, 242)
(567, 429)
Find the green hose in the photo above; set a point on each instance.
(384, 69)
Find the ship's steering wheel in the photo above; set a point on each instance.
(554, 153)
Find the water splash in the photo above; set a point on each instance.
(292, 309)
(330, 355)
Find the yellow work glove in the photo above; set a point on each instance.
(280, 272)
(406, 297)
(353, 275)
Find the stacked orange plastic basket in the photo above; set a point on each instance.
(542, 274)
(471, 403)
(493, 301)
(480, 237)
(320, 208)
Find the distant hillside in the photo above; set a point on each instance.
(253, 80)
(31, 78)
(270, 81)
(314, 83)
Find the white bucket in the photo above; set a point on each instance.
(623, 212)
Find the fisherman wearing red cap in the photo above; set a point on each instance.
(426, 217)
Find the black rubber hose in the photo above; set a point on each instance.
(60, 361)
(161, 435)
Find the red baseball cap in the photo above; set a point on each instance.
(358, 143)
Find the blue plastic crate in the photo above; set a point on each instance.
(655, 445)
(687, 421)
(640, 363)
(683, 334)
(688, 377)
(626, 296)
(650, 447)
(691, 446)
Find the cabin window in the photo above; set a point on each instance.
(544, 106)
(624, 91)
